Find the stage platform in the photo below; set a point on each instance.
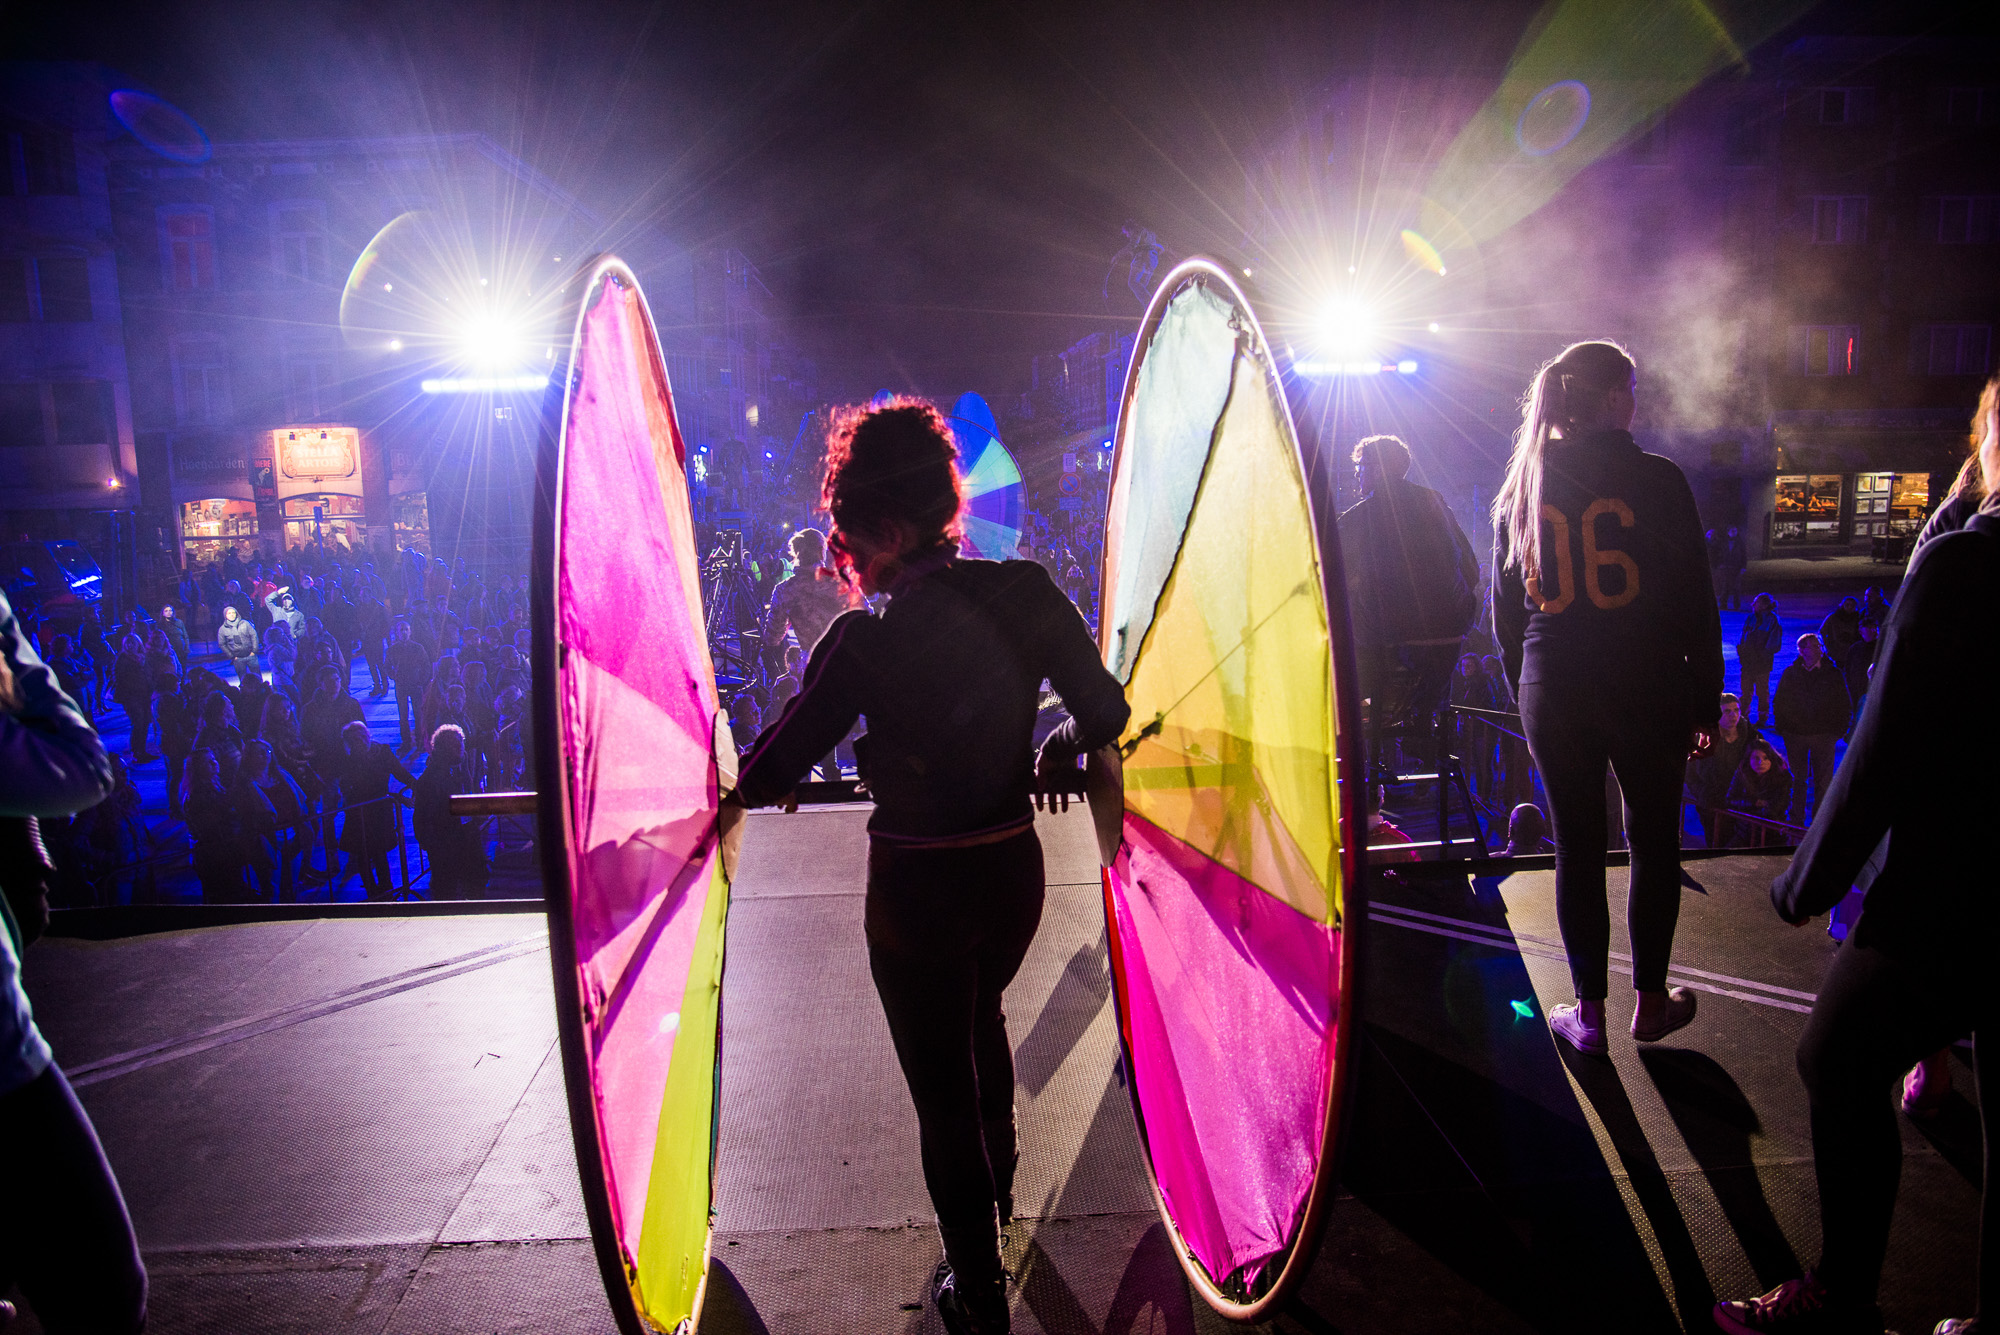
(358, 1126)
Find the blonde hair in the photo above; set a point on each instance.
(1546, 410)
(1971, 479)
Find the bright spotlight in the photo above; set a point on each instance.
(395, 345)
(1346, 325)
(491, 340)
(1434, 326)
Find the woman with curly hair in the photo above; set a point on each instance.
(947, 676)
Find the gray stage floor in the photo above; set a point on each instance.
(358, 1126)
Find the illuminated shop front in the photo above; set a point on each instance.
(1835, 509)
(214, 526)
(326, 521)
(413, 519)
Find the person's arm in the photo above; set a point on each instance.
(1927, 656)
(1510, 610)
(1095, 700)
(813, 722)
(398, 768)
(52, 761)
(1700, 622)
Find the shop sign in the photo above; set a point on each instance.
(316, 452)
(214, 459)
(263, 479)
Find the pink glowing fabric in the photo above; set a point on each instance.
(1234, 1142)
(637, 718)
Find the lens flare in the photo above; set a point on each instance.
(161, 126)
(1422, 253)
(1552, 118)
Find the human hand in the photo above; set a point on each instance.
(1700, 744)
(1056, 777)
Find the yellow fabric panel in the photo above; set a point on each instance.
(1232, 696)
(673, 1241)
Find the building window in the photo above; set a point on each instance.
(21, 419)
(14, 308)
(311, 391)
(84, 412)
(1826, 349)
(201, 382)
(1952, 349)
(1838, 220)
(1845, 106)
(1962, 220)
(1971, 106)
(187, 248)
(298, 240)
(38, 160)
(65, 289)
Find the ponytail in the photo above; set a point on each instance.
(1546, 413)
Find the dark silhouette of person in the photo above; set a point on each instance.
(1757, 653)
(1811, 712)
(1412, 585)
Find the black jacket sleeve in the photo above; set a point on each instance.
(1695, 614)
(1926, 655)
(1096, 702)
(813, 722)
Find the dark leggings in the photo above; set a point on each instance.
(1877, 1016)
(64, 1234)
(1573, 732)
(947, 931)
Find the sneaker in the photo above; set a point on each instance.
(8, 1312)
(1957, 1325)
(1567, 1021)
(1797, 1307)
(1925, 1089)
(967, 1313)
(1680, 1013)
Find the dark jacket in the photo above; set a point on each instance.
(949, 677)
(1840, 632)
(52, 761)
(1411, 575)
(1953, 515)
(1854, 668)
(1729, 553)
(1811, 703)
(1934, 787)
(1763, 635)
(1709, 777)
(1642, 613)
(1768, 794)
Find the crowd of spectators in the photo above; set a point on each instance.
(267, 760)
(1774, 754)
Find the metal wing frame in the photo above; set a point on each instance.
(1275, 1285)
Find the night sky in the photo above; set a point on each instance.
(933, 192)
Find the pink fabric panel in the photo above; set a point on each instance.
(636, 1046)
(1230, 995)
(638, 688)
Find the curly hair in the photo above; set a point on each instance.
(890, 463)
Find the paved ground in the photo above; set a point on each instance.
(385, 1149)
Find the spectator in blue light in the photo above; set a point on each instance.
(1757, 652)
(1812, 710)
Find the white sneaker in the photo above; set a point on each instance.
(1567, 1021)
(1679, 1014)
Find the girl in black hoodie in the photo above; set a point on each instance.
(1606, 617)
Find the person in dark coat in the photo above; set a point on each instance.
(409, 666)
(1412, 585)
(1605, 611)
(1762, 786)
(1757, 652)
(371, 627)
(370, 828)
(1710, 774)
(257, 820)
(1855, 667)
(1729, 557)
(1811, 710)
(178, 725)
(1841, 629)
(132, 688)
(1916, 970)
(219, 859)
(452, 843)
(329, 711)
(176, 631)
(220, 737)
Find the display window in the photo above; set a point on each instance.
(1808, 508)
(329, 522)
(211, 528)
(413, 519)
